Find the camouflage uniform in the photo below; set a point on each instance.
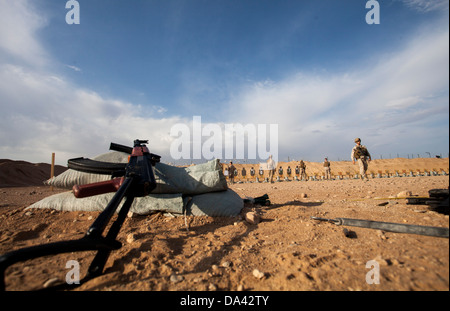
(302, 170)
(231, 172)
(326, 167)
(271, 168)
(362, 155)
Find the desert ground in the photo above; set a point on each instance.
(280, 249)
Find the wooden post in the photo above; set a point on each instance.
(52, 169)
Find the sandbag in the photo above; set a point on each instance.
(215, 204)
(72, 177)
(66, 201)
(197, 179)
(199, 190)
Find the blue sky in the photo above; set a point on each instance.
(135, 69)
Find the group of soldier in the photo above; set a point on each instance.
(359, 155)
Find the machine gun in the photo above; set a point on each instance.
(129, 180)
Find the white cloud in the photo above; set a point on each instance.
(43, 113)
(74, 68)
(427, 5)
(403, 103)
(394, 102)
(19, 25)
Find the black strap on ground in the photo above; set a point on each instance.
(388, 226)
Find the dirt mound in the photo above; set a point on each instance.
(23, 174)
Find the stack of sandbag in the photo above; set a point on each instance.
(199, 190)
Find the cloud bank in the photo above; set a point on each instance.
(44, 112)
(392, 101)
(47, 114)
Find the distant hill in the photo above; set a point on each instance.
(24, 174)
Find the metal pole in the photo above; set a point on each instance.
(52, 169)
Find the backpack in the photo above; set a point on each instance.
(361, 151)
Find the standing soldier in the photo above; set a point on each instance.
(302, 170)
(231, 172)
(271, 168)
(362, 155)
(327, 169)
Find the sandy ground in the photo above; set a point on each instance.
(285, 251)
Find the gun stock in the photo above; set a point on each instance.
(83, 191)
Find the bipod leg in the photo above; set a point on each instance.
(84, 244)
(93, 239)
(99, 261)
